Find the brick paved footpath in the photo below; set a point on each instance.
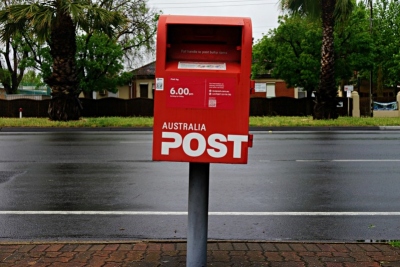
(220, 253)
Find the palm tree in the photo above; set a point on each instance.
(329, 11)
(55, 22)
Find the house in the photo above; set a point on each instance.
(142, 84)
(269, 87)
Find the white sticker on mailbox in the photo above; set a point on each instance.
(201, 65)
(159, 84)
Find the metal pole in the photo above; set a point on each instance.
(199, 178)
(370, 73)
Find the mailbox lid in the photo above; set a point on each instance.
(204, 20)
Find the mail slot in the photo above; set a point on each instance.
(201, 108)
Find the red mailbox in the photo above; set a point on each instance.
(202, 90)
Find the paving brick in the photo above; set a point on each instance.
(26, 248)
(324, 254)
(9, 248)
(96, 261)
(362, 264)
(354, 247)
(268, 247)
(152, 256)
(220, 255)
(340, 247)
(298, 247)
(69, 248)
(240, 246)
(168, 247)
(154, 247)
(360, 256)
(54, 247)
(312, 261)
(81, 248)
(40, 248)
(287, 264)
(312, 247)
(96, 247)
(117, 256)
(181, 246)
(326, 247)
(83, 256)
(212, 246)
(256, 256)
(334, 264)
(134, 256)
(254, 246)
(336, 259)
(283, 247)
(225, 246)
(290, 256)
(273, 256)
(140, 246)
(368, 247)
(384, 247)
(126, 247)
(52, 254)
(111, 247)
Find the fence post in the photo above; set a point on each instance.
(398, 103)
(356, 104)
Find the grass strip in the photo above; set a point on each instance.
(276, 121)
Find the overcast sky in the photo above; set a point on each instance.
(263, 13)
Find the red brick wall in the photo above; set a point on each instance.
(282, 90)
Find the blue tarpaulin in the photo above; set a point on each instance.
(385, 106)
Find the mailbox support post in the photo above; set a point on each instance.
(199, 179)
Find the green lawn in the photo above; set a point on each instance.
(148, 122)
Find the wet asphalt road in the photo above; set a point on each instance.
(104, 186)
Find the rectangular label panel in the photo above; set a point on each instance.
(200, 93)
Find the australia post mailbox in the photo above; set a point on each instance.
(202, 89)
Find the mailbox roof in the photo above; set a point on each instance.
(205, 20)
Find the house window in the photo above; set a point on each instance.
(144, 90)
(270, 90)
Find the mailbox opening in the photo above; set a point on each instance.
(209, 43)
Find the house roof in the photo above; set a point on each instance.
(146, 71)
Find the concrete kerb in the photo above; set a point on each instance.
(209, 241)
(251, 129)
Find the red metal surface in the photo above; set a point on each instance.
(201, 111)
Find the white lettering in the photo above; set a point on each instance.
(201, 146)
(212, 141)
(237, 144)
(195, 144)
(165, 146)
(184, 126)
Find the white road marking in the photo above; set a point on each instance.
(212, 213)
(347, 160)
(136, 142)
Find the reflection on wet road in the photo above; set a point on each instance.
(103, 185)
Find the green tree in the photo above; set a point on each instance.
(386, 35)
(55, 22)
(100, 64)
(32, 78)
(13, 51)
(329, 12)
(292, 50)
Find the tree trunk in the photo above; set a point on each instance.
(63, 81)
(325, 97)
(64, 108)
